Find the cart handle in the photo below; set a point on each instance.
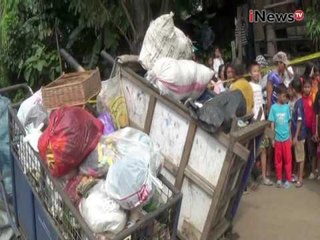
(16, 87)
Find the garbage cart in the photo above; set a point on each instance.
(45, 211)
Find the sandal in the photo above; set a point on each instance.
(299, 184)
(267, 182)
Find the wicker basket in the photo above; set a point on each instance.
(72, 89)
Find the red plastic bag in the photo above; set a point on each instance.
(71, 135)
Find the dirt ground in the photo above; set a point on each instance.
(280, 214)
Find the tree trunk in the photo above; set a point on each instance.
(141, 15)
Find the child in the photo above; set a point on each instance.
(317, 112)
(255, 75)
(280, 117)
(298, 129)
(218, 86)
(244, 86)
(229, 71)
(217, 61)
(309, 116)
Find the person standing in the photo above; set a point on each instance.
(298, 129)
(280, 118)
(310, 122)
(282, 74)
(217, 61)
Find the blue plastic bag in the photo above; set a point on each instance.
(5, 157)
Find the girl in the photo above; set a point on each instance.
(217, 61)
(218, 86)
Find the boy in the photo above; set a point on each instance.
(309, 116)
(280, 117)
(298, 129)
(255, 74)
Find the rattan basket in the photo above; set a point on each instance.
(72, 89)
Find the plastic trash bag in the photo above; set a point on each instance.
(37, 115)
(129, 182)
(111, 98)
(101, 213)
(72, 134)
(99, 160)
(138, 160)
(79, 186)
(33, 136)
(5, 157)
(106, 119)
(27, 105)
(133, 142)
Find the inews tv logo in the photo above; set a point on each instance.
(271, 17)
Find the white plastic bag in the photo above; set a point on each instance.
(129, 182)
(27, 105)
(101, 213)
(163, 39)
(131, 178)
(111, 99)
(180, 79)
(133, 142)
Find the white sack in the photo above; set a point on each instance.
(163, 39)
(180, 79)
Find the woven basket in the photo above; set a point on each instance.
(72, 89)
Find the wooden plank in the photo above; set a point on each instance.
(238, 149)
(189, 232)
(201, 182)
(217, 232)
(150, 112)
(186, 154)
(218, 192)
(172, 169)
(228, 196)
(251, 131)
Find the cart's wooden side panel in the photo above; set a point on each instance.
(194, 158)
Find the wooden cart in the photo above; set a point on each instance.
(209, 169)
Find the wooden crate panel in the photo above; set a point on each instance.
(168, 176)
(210, 153)
(194, 210)
(169, 130)
(137, 103)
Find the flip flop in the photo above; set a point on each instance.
(299, 184)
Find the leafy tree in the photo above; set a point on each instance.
(313, 23)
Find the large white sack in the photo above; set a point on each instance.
(180, 79)
(163, 39)
(101, 213)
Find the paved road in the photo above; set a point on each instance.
(280, 214)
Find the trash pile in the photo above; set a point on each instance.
(109, 172)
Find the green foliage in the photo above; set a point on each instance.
(313, 24)
(27, 47)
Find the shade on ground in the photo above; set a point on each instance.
(280, 214)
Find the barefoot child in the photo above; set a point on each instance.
(280, 118)
(298, 129)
